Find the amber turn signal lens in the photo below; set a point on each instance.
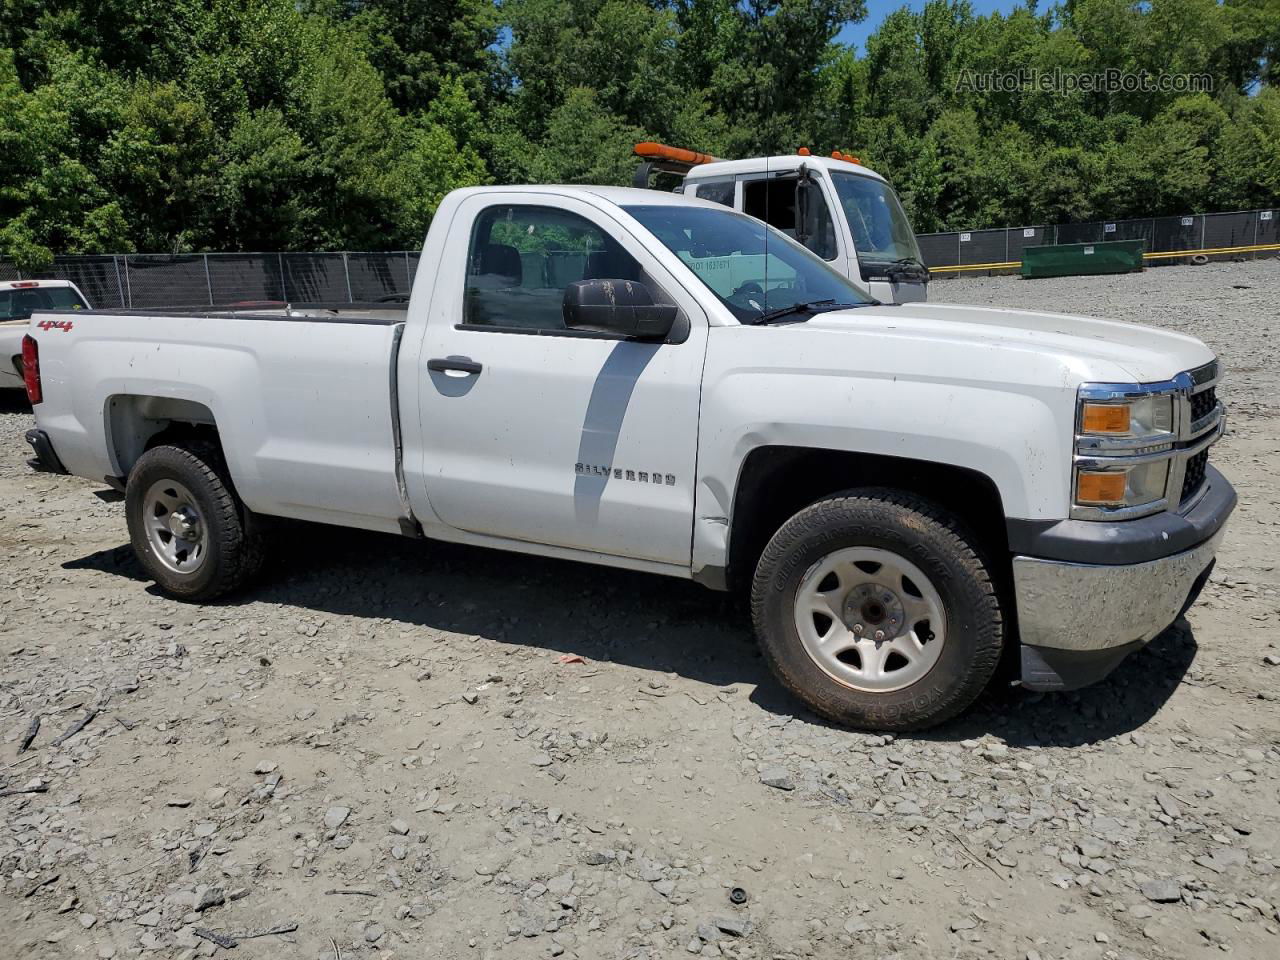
(1105, 418)
(1100, 488)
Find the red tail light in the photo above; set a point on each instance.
(31, 369)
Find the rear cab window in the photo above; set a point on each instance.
(19, 304)
(717, 191)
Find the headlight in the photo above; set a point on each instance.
(1142, 417)
(1123, 447)
(1127, 486)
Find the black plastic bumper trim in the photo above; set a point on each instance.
(45, 458)
(1126, 541)
(713, 578)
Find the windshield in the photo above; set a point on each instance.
(881, 231)
(20, 304)
(754, 269)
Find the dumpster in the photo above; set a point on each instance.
(1076, 259)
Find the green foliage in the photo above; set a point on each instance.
(300, 124)
(965, 157)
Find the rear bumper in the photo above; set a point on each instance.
(1077, 621)
(45, 458)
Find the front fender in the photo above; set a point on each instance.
(1015, 434)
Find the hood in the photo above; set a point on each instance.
(1096, 350)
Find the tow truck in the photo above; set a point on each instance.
(843, 211)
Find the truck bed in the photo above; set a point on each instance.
(302, 395)
(338, 312)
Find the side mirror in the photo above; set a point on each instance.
(622, 307)
(808, 203)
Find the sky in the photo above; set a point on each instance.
(877, 10)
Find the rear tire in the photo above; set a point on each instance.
(188, 528)
(875, 608)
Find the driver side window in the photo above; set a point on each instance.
(776, 201)
(522, 258)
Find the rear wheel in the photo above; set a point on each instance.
(189, 530)
(876, 610)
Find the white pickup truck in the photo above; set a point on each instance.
(19, 299)
(651, 381)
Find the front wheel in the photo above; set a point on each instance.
(188, 528)
(875, 609)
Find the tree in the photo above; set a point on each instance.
(1248, 152)
(296, 124)
(50, 201)
(760, 64)
(418, 46)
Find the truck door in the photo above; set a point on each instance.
(535, 432)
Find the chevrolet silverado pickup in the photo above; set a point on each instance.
(903, 493)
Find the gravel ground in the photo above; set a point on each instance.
(391, 750)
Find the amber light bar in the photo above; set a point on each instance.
(660, 151)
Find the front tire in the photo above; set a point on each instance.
(876, 610)
(188, 528)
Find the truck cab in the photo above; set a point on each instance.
(844, 212)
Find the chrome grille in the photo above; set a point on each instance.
(1202, 403)
(1194, 476)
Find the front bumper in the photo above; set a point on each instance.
(1077, 621)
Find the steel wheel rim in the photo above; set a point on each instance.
(176, 530)
(848, 597)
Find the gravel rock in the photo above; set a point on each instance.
(778, 778)
(1162, 891)
(212, 897)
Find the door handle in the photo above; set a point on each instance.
(460, 364)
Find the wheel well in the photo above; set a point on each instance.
(777, 482)
(136, 424)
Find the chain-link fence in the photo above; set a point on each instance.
(201, 279)
(1242, 233)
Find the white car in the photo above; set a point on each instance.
(18, 300)
(645, 380)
